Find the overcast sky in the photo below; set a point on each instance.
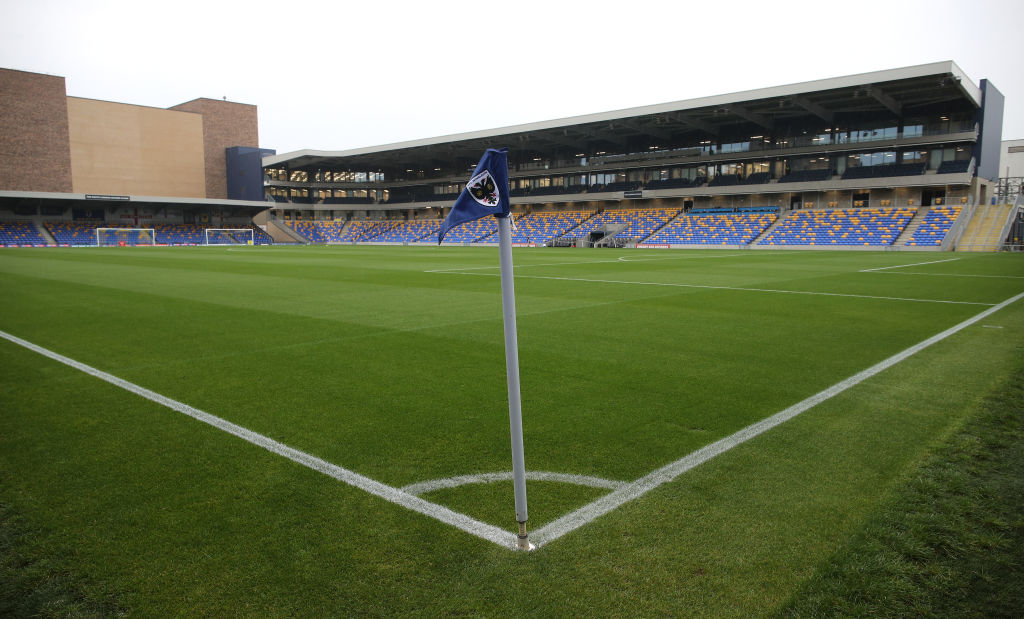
(335, 75)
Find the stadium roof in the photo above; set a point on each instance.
(891, 93)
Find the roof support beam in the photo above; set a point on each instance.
(753, 117)
(648, 129)
(561, 138)
(891, 104)
(695, 124)
(595, 132)
(813, 108)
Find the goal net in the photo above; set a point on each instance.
(125, 237)
(229, 236)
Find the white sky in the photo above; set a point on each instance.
(335, 75)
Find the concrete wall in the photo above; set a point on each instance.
(124, 149)
(34, 153)
(1011, 163)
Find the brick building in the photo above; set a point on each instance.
(50, 142)
(67, 159)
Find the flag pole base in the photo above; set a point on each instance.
(523, 540)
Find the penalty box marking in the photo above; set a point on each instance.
(554, 530)
(887, 271)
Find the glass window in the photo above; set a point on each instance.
(871, 159)
(734, 147)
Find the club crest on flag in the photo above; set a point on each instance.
(486, 193)
(483, 189)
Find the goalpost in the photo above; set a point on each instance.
(229, 236)
(125, 236)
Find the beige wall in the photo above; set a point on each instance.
(123, 149)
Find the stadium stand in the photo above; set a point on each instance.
(725, 180)
(806, 176)
(260, 236)
(638, 223)
(739, 228)
(641, 223)
(881, 171)
(20, 234)
(84, 233)
(758, 178)
(676, 183)
(316, 231)
(954, 167)
(409, 231)
(179, 234)
(867, 226)
(74, 233)
(473, 232)
(540, 228)
(936, 225)
(347, 201)
(622, 186)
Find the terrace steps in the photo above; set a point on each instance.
(43, 232)
(775, 224)
(982, 233)
(912, 226)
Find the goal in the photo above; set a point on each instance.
(122, 237)
(229, 236)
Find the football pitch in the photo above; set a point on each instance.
(312, 431)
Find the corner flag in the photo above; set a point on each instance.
(486, 193)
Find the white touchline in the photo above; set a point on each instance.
(488, 532)
(900, 266)
(645, 484)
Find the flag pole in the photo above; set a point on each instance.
(515, 411)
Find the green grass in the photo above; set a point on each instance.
(360, 356)
(950, 541)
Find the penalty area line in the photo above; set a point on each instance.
(634, 490)
(733, 288)
(443, 514)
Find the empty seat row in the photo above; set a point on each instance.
(714, 229)
(870, 226)
(935, 226)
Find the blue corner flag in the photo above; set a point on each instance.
(486, 193)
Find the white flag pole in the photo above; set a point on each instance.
(515, 411)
